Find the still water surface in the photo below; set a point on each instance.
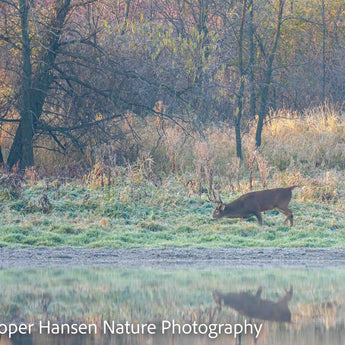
(92, 295)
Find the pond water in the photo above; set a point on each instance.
(313, 299)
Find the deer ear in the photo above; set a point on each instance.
(223, 207)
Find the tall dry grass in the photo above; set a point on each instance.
(306, 149)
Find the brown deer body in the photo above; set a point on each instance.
(256, 307)
(252, 204)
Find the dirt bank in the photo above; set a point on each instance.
(173, 257)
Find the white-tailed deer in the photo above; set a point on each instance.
(252, 204)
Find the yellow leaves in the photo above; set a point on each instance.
(99, 116)
(131, 26)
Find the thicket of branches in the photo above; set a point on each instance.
(73, 72)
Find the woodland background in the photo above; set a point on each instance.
(119, 118)
(76, 74)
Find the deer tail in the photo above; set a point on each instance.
(294, 186)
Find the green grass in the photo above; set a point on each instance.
(140, 214)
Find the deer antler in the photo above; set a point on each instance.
(258, 293)
(289, 293)
(288, 296)
(218, 201)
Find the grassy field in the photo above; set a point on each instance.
(160, 199)
(140, 214)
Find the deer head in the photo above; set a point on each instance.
(220, 206)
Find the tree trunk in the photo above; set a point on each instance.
(1, 157)
(16, 152)
(202, 79)
(268, 76)
(35, 92)
(323, 57)
(252, 60)
(24, 151)
(241, 90)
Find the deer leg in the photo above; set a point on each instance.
(258, 216)
(288, 214)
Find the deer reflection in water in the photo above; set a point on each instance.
(254, 306)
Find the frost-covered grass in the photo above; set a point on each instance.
(138, 213)
(155, 202)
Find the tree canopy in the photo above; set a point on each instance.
(72, 71)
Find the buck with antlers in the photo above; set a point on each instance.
(252, 204)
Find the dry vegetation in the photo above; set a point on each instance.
(159, 196)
